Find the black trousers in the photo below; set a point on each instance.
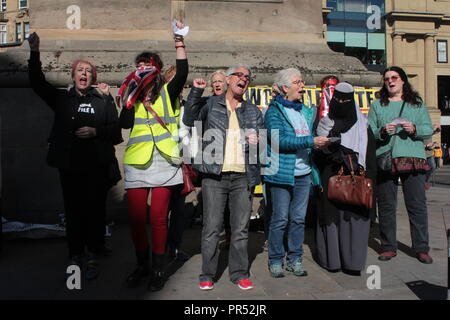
(413, 185)
(180, 216)
(84, 196)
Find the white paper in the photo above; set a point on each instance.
(179, 32)
(398, 121)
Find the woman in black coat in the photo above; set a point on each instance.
(81, 146)
(342, 231)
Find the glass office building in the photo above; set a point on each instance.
(357, 28)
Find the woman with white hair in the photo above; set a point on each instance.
(342, 232)
(288, 181)
(218, 82)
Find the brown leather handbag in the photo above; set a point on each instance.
(351, 189)
(190, 176)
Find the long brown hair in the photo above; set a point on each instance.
(409, 95)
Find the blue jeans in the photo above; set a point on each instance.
(289, 204)
(216, 190)
(430, 162)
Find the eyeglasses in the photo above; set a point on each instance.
(297, 82)
(393, 78)
(241, 75)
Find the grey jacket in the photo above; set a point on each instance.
(212, 112)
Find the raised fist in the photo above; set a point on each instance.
(199, 83)
(33, 41)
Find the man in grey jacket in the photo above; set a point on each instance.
(230, 169)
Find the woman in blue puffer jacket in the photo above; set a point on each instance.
(290, 174)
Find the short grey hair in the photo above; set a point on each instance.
(284, 78)
(240, 65)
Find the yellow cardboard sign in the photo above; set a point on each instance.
(261, 96)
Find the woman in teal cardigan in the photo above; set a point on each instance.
(409, 164)
(288, 177)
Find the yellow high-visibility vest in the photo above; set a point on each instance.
(147, 132)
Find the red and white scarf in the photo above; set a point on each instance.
(327, 94)
(135, 83)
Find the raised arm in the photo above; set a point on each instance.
(38, 83)
(195, 103)
(175, 86)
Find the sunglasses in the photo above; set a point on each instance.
(393, 78)
(241, 75)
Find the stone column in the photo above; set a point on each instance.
(397, 48)
(178, 10)
(430, 76)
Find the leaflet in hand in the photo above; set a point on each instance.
(179, 32)
(398, 121)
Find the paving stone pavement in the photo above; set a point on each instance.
(35, 269)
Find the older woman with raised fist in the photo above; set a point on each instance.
(81, 147)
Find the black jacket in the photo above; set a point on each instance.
(64, 103)
(213, 114)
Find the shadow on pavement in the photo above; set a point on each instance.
(427, 291)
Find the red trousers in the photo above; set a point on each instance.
(159, 211)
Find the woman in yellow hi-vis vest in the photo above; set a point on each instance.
(152, 155)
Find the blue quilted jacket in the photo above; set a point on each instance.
(279, 167)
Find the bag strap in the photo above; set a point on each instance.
(155, 115)
(399, 115)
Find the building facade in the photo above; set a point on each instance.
(413, 34)
(418, 33)
(356, 28)
(269, 35)
(14, 21)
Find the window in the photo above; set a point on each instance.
(18, 32)
(27, 29)
(2, 33)
(2, 5)
(357, 28)
(23, 4)
(442, 54)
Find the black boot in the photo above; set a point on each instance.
(158, 277)
(141, 271)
